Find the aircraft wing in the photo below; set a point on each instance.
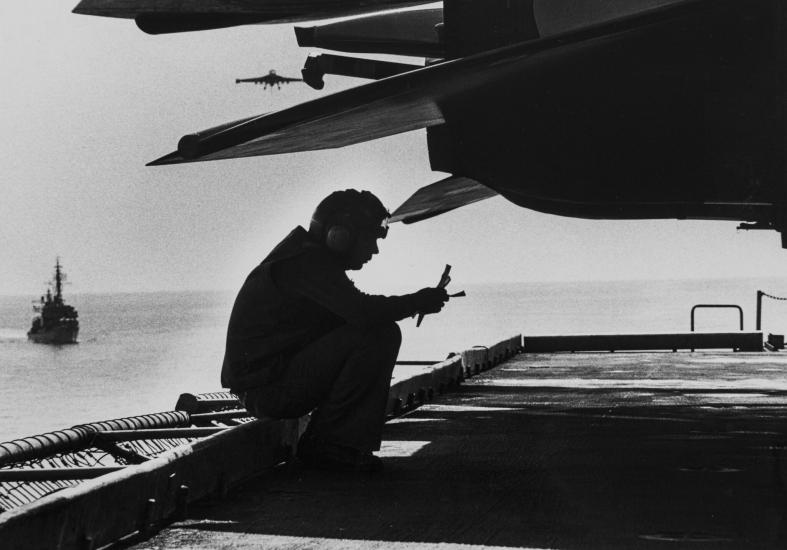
(167, 16)
(368, 112)
(393, 105)
(270, 80)
(439, 198)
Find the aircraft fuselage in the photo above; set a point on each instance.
(680, 118)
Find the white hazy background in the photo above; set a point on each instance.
(87, 101)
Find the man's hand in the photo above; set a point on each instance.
(431, 300)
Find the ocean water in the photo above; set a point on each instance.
(137, 352)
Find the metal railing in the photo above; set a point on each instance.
(734, 306)
(760, 295)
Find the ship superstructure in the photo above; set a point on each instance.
(56, 322)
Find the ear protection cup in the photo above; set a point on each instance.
(339, 239)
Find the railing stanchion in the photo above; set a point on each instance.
(760, 294)
(733, 306)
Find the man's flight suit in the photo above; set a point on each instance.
(301, 337)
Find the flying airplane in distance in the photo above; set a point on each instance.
(269, 80)
(603, 109)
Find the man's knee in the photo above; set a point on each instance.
(387, 335)
(383, 335)
(379, 343)
(384, 338)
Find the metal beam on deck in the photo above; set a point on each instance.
(738, 341)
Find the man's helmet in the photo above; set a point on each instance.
(343, 216)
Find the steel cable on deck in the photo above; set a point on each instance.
(85, 458)
(18, 493)
(773, 297)
(90, 457)
(74, 448)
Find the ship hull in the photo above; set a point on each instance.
(56, 335)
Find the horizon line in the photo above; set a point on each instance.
(468, 283)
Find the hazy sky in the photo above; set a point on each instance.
(87, 101)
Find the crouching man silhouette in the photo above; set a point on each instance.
(302, 338)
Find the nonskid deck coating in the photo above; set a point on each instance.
(625, 450)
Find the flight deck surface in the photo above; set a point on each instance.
(585, 450)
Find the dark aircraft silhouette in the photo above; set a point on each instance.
(610, 109)
(269, 80)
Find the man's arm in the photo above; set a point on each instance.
(317, 277)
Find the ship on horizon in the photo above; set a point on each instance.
(56, 322)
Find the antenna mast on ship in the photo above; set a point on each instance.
(59, 278)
